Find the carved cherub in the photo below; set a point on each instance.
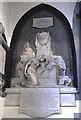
(28, 53)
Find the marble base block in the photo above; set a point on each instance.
(39, 102)
(13, 97)
(68, 96)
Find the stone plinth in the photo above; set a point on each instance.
(13, 96)
(68, 96)
(40, 101)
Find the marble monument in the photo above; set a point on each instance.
(40, 68)
(41, 85)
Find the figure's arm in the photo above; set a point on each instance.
(26, 68)
(60, 62)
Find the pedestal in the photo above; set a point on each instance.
(40, 102)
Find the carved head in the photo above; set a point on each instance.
(43, 38)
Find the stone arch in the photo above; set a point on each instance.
(24, 28)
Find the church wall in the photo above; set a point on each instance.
(15, 10)
(1, 107)
(9, 22)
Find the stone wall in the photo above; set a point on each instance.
(3, 49)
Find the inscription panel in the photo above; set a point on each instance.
(43, 22)
(39, 102)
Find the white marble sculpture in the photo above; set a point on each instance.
(43, 45)
(27, 55)
(40, 68)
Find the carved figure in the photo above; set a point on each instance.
(31, 71)
(46, 60)
(28, 53)
(43, 45)
(42, 66)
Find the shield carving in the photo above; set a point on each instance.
(39, 102)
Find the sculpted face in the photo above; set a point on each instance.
(43, 38)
